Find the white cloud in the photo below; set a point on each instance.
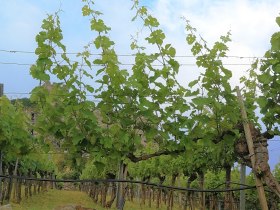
(251, 24)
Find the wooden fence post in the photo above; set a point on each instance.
(249, 140)
(242, 181)
(120, 197)
(1, 153)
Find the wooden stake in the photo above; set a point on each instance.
(120, 187)
(242, 181)
(250, 144)
(1, 89)
(1, 154)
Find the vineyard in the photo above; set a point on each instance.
(144, 138)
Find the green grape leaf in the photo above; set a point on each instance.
(278, 21)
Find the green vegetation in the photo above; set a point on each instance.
(53, 198)
(143, 124)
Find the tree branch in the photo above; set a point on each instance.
(136, 159)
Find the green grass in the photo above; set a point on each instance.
(53, 198)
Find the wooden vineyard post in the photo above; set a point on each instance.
(1, 89)
(249, 140)
(120, 198)
(1, 174)
(1, 153)
(242, 181)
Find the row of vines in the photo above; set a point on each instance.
(142, 124)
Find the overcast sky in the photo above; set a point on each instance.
(251, 22)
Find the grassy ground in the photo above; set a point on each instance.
(54, 198)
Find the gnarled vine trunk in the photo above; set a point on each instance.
(113, 195)
(228, 200)
(189, 195)
(201, 186)
(261, 168)
(159, 190)
(171, 192)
